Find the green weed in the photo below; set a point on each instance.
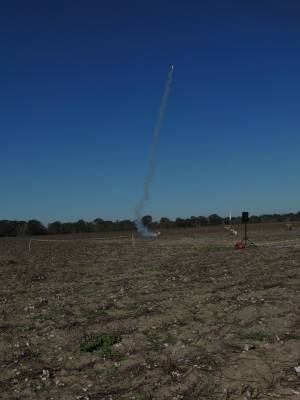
(96, 313)
(156, 340)
(255, 336)
(41, 317)
(101, 343)
(153, 338)
(111, 371)
(138, 397)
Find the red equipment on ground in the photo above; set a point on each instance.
(240, 245)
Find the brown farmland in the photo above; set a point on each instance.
(182, 317)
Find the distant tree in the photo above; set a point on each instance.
(154, 225)
(108, 226)
(254, 219)
(293, 217)
(265, 218)
(236, 220)
(147, 220)
(126, 225)
(99, 224)
(165, 222)
(80, 226)
(35, 227)
(55, 228)
(180, 223)
(8, 228)
(194, 221)
(277, 218)
(68, 227)
(89, 227)
(214, 219)
(188, 222)
(202, 221)
(21, 228)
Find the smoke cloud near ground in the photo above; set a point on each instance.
(145, 231)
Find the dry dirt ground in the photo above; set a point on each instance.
(182, 317)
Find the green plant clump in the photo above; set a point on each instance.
(156, 340)
(255, 336)
(101, 343)
(41, 317)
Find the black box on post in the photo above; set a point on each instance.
(245, 216)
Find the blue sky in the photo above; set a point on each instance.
(80, 89)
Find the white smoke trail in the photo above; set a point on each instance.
(152, 158)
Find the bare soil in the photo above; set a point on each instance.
(182, 317)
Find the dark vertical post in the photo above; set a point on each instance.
(245, 219)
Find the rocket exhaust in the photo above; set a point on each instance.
(142, 229)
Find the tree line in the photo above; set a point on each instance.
(35, 227)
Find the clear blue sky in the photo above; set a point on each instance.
(80, 89)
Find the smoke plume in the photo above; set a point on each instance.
(152, 158)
